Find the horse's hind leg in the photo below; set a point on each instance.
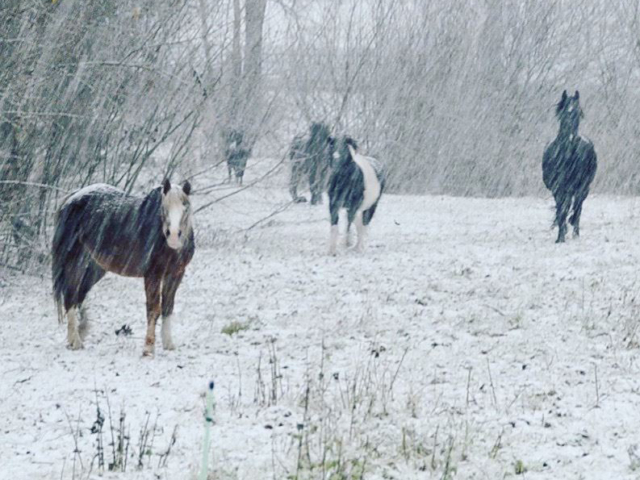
(93, 274)
(353, 216)
(363, 226)
(76, 274)
(170, 286)
(361, 230)
(74, 340)
(294, 181)
(577, 211)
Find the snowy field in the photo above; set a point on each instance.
(463, 344)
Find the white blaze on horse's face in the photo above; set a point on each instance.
(176, 214)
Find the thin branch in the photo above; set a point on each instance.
(273, 169)
(33, 184)
(278, 211)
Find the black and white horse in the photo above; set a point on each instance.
(356, 184)
(311, 157)
(101, 229)
(236, 154)
(569, 165)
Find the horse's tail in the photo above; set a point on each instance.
(64, 237)
(57, 261)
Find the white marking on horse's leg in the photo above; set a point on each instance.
(83, 324)
(362, 232)
(333, 240)
(149, 350)
(150, 340)
(73, 337)
(167, 342)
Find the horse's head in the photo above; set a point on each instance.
(319, 139)
(341, 152)
(235, 138)
(569, 112)
(319, 132)
(176, 213)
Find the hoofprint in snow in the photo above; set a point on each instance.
(463, 342)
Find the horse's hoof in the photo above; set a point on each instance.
(168, 345)
(75, 345)
(148, 352)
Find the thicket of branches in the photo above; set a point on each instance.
(457, 96)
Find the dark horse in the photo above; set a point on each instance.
(236, 154)
(569, 165)
(356, 184)
(101, 229)
(311, 156)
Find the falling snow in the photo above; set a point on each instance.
(462, 343)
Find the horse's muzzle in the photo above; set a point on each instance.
(174, 243)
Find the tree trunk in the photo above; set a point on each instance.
(235, 93)
(254, 22)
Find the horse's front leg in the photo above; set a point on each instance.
(334, 212)
(577, 211)
(170, 285)
(563, 203)
(152, 288)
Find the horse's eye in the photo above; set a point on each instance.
(179, 233)
(167, 232)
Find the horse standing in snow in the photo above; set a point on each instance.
(311, 157)
(569, 165)
(101, 229)
(356, 184)
(236, 155)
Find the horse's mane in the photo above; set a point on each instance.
(150, 208)
(318, 134)
(560, 106)
(352, 142)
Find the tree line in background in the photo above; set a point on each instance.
(456, 96)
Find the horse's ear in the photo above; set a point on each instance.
(166, 186)
(561, 103)
(186, 187)
(577, 95)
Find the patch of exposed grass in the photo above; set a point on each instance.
(234, 327)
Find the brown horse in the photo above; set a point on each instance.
(101, 229)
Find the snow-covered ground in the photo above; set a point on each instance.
(463, 343)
